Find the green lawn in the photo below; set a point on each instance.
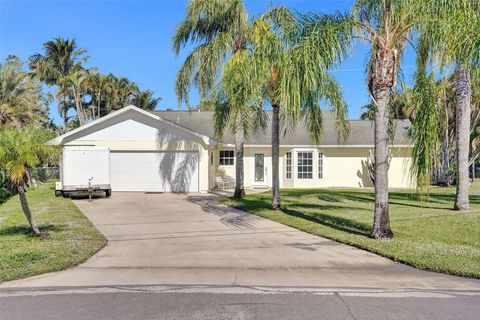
(427, 234)
(72, 238)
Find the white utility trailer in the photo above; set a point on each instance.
(84, 169)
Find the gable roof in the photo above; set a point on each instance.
(200, 125)
(61, 139)
(361, 131)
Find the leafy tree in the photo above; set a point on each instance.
(20, 149)
(219, 29)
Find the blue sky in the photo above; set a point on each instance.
(133, 39)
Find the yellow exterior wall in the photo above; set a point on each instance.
(342, 167)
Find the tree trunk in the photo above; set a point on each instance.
(98, 104)
(462, 115)
(65, 113)
(381, 222)
(26, 210)
(276, 201)
(383, 80)
(239, 142)
(80, 114)
(445, 151)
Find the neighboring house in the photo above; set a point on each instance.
(177, 151)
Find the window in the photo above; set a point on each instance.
(288, 165)
(320, 165)
(305, 165)
(226, 157)
(211, 158)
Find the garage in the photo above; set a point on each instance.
(144, 153)
(162, 171)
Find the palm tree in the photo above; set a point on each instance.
(219, 28)
(388, 26)
(21, 100)
(120, 92)
(425, 130)
(61, 57)
(465, 53)
(20, 149)
(368, 112)
(97, 84)
(76, 83)
(145, 100)
(453, 38)
(291, 63)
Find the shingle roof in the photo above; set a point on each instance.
(361, 131)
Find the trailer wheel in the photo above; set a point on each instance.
(58, 193)
(108, 192)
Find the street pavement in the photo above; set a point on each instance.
(235, 303)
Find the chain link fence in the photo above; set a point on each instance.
(44, 174)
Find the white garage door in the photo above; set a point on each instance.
(154, 171)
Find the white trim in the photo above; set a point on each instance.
(312, 152)
(59, 140)
(326, 146)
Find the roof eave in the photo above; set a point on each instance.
(60, 139)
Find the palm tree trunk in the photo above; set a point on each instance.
(65, 112)
(381, 223)
(98, 104)
(239, 148)
(445, 164)
(26, 210)
(276, 201)
(463, 111)
(78, 106)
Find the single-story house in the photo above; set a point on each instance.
(165, 151)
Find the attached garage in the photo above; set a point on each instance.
(166, 171)
(147, 153)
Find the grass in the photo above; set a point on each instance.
(428, 234)
(72, 237)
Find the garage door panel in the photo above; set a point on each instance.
(154, 171)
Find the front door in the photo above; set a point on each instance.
(259, 170)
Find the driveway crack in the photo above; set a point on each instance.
(347, 306)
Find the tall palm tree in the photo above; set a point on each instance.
(453, 37)
(61, 57)
(291, 63)
(20, 148)
(388, 26)
(219, 28)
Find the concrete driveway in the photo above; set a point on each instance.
(191, 239)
